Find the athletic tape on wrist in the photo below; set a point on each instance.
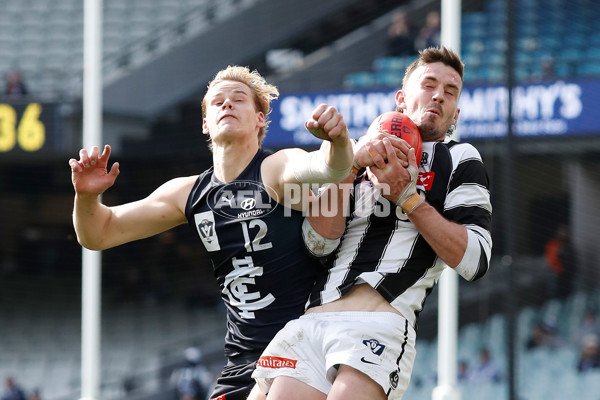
(314, 169)
(411, 204)
(315, 243)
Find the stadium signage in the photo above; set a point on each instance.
(550, 109)
(359, 110)
(23, 127)
(537, 110)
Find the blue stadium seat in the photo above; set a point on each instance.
(575, 40)
(494, 59)
(593, 53)
(564, 69)
(395, 64)
(388, 79)
(550, 43)
(572, 55)
(589, 68)
(472, 60)
(359, 80)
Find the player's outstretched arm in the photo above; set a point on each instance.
(328, 124)
(287, 168)
(100, 227)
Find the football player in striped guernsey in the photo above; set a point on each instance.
(405, 224)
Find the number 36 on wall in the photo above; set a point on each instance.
(29, 133)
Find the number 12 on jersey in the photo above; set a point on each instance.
(255, 243)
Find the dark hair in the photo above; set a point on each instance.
(432, 55)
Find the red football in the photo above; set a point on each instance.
(398, 124)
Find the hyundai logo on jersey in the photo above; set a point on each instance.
(241, 199)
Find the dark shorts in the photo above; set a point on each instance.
(235, 381)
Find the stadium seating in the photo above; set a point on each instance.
(44, 39)
(40, 342)
(557, 33)
(542, 373)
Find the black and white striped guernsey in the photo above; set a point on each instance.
(383, 248)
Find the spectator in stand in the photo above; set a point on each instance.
(429, 35)
(487, 371)
(463, 372)
(401, 39)
(193, 380)
(15, 86)
(589, 326)
(12, 391)
(562, 260)
(544, 334)
(548, 69)
(35, 395)
(589, 358)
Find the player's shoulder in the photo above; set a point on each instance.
(284, 155)
(462, 150)
(178, 185)
(276, 162)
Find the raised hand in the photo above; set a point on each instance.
(327, 123)
(396, 177)
(371, 151)
(90, 175)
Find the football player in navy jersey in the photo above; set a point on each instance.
(405, 224)
(247, 210)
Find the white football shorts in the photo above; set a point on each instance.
(309, 349)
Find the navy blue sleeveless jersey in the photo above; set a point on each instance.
(258, 256)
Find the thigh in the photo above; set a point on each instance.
(235, 382)
(286, 388)
(256, 394)
(378, 345)
(351, 384)
(295, 352)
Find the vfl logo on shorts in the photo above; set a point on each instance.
(374, 345)
(276, 362)
(376, 348)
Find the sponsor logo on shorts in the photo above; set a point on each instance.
(221, 397)
(368, 362)
(374, 345)
(276, 362)
(394, 378)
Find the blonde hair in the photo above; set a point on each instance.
(262, 91)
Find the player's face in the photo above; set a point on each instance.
(430, 99)
(231, 113)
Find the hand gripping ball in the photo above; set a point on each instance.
(398, 124)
